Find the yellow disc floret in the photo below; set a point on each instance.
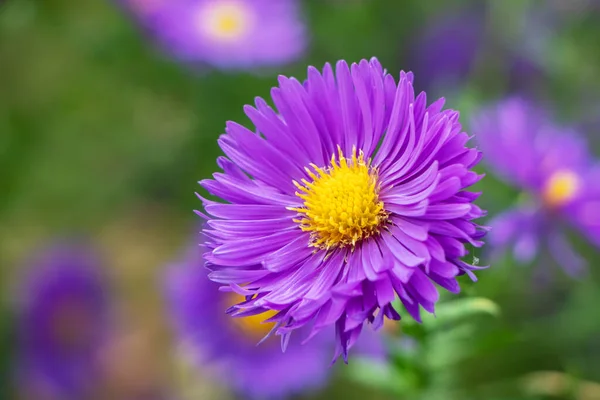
(225, 20)
(341, 204)
(561, 188)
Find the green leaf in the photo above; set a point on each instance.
(448, 347)
(381, 375)
(456, 311)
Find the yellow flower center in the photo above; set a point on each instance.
(391, 327)
(341, 204)
(561, 188)
(225, 20)
(251, 326)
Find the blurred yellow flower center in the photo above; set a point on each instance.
(561, 188)
(390, 327)
(341, 204)
(251, 326)
(225, 19)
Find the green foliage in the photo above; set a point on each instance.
(424, 357)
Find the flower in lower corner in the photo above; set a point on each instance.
(230, 345)
(227, 34)
(350, 193)
(551, 165)
(63, 319)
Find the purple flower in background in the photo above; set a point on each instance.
(63, 318)
(446, 51)
(350, 194)
(552, 166)
(451, 46)
(228, 34)
(230, 344)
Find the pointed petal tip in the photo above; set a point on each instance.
(202, 215)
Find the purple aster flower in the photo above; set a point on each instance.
(230, 344)
(63, 321)
(448, 47)
(347, 195)
(551, 164)
(451, 46)
(228, 34)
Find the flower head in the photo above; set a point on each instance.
(228, 34)
(63, 319)
(552, 166)
(230, 344)
(350, 194)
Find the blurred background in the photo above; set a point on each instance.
(104, 134)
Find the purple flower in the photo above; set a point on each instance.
(551, 164)
(448, 47)
(348, 195)
(63, 321)
(453, 46)
(230, 344)
(228, 34)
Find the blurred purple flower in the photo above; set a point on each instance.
(231, 345)
(450, 46)
(63, 318)
(447, 48)
(227, 34)
(552, 165)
